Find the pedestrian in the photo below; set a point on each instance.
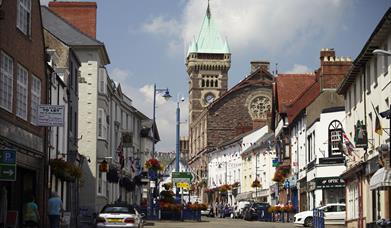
(55, 210)
(30, 213)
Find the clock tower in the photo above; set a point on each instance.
(208, 61)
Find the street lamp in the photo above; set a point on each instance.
(177, 148)
(166, 95)
(387, 114)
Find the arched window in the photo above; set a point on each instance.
(203, 83)
(207, 83)
(335, 138)
(216, 83)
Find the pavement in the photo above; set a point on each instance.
(216, 223)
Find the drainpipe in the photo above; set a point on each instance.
(361, 209)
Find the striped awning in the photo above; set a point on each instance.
(381, 180)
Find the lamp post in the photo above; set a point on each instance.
(166, 96)
(388, 115)
(177, 146)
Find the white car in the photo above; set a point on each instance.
(334, 214)
(119, 216)
(238, 209)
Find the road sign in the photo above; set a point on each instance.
(7, 165)
(181, 177)
(183, 185)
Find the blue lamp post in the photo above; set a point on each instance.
(166, 95)
(177, 145)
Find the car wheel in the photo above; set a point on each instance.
(308, 222)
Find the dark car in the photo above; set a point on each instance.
(256, 211)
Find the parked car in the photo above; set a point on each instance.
(256, 211)
(119, 215)
(238, 209)
(334, 214)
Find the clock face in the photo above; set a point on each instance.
(209, 98)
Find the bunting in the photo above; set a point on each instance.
(349, 145)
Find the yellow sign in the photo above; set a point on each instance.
(183, 185)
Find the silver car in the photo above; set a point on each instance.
(118, 216)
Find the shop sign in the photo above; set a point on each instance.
(329, 182)
(7, 165)
(127, 139)
(360, 135)
(311, 186)
(50, 115)
(275, 162)
(372, 165)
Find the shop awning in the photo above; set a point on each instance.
(380, 180)
(244, 196)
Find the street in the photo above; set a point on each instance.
(217, 223)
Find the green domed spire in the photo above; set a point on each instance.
(209, 39)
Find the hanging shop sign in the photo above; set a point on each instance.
(329, 182)
(275, 162)
(103, 167)
(127, 139)
(360, 135)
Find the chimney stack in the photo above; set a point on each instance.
(326, 54)
(81, 15)
(255, 65)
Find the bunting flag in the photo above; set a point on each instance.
(349, 145)
(378, 127)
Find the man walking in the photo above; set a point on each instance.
(55, 210)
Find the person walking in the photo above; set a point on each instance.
(55, 210)
(30, 213)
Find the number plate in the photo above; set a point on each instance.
(114, 220)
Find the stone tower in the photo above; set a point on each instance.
(208, 61)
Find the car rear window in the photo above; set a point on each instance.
(118, 209)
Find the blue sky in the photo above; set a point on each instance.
(147, 41)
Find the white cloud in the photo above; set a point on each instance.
(297, 68)
(274, 26)
(162, 26)
(165, 110)
(269, 24)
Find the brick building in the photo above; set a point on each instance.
(22, 88)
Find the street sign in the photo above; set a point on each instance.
(183, 185)
(181, 177)
(7, 165)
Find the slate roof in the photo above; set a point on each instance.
(64, 30)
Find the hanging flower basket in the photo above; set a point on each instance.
(153, 164)
(208, 190)
(256, 184)
(236, 185)
(65, 170)
(224, 188)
